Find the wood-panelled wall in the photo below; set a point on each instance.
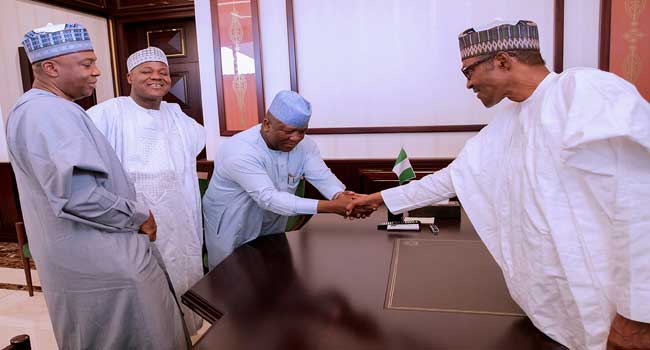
(9, 205)
(359, 175)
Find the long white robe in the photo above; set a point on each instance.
(158, 150)
(558, 188)
(103, 286)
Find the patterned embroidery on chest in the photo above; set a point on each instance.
(154, 185)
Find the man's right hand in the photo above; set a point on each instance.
(149, 227)
(371, 201)
(339, 204)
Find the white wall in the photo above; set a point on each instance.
(4, 157)
(17, 17)
(581, 33)
(396, 63)
(581, 49)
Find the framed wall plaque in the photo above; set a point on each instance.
(236, 38)
(624, 43)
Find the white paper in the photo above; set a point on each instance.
(424, 221)
(403, 227)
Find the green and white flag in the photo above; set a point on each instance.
(403, 167)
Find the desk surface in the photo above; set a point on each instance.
(325, 287)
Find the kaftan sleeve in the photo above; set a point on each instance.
(64, 158)
(426, 191)
(194, 131)
(607, 140)
(317, 172)
(241, 165)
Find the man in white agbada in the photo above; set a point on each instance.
(157, 144)
(557, 187)
(256, 173)
(103, 286)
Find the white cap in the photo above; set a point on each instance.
(150, 54)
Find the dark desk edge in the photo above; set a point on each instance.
(201, 306)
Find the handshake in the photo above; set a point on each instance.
(351, 205)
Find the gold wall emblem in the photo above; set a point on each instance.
(632, 63)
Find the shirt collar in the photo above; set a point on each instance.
(543, 85)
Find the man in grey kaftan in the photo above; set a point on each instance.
(103, 287)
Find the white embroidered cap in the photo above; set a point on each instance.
(150, 54)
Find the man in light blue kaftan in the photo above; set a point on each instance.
(256, 173)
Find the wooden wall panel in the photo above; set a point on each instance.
(95, 7)
(129, 6)
(9, 207)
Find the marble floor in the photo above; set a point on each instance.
(22, 314)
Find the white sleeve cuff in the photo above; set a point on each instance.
(395, 200)
(140, 215)
(306, 206)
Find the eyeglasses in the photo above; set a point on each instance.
(467, 71)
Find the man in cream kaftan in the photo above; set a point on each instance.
(558, 189)
(561, 201)
(158, 149)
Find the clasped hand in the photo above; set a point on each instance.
(344, 199)
(363, 203)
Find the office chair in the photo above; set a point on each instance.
(25, 255)
(298, 221)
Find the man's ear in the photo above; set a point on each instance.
(128, 78)
(50, 68)
(504, 61)
(266, 123)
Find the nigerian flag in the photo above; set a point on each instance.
(403, 167)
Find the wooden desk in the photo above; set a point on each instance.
(325, 287)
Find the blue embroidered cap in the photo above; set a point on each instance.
(56, 40)
(291, 109)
